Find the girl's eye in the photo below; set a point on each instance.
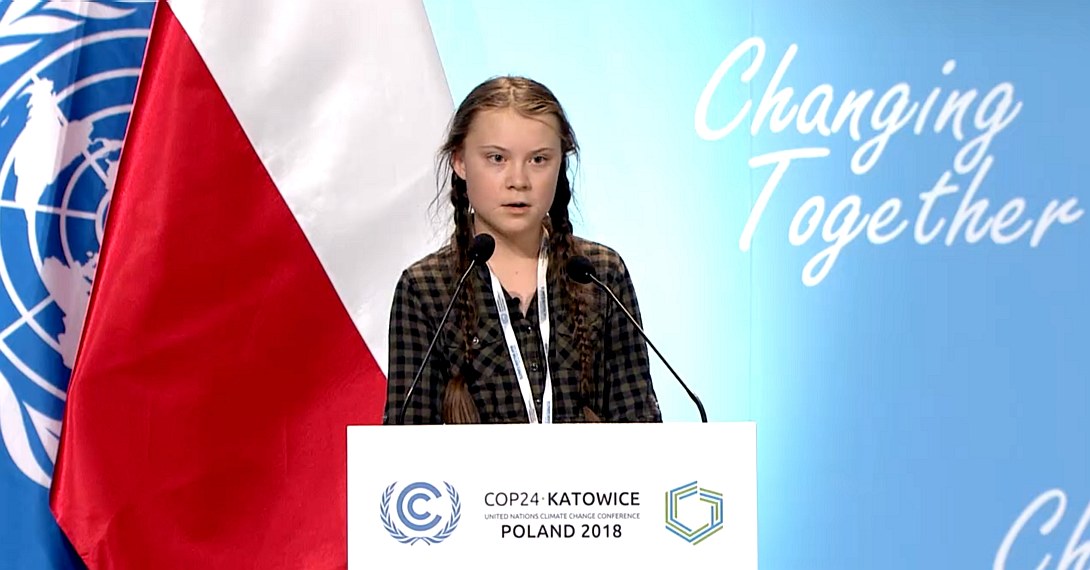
(495, 158)
(540, 159)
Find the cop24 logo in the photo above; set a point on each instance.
(68, 72)
(418, 511)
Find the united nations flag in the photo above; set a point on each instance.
(68, 71)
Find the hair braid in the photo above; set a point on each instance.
(458, 406)
(562, 248)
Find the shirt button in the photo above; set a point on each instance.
(476, 341)
(529, 328)
(534, 366)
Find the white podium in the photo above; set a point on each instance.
(671, 495)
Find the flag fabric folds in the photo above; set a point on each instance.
(274, 181)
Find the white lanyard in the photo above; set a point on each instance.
(513, 345)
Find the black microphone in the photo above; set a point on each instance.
(581, 270)
(479, 252)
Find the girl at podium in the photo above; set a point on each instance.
(523, 342)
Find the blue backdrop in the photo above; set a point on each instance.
(916, 398)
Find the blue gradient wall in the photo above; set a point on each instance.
(914, 400)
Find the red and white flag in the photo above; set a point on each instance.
(276, 177)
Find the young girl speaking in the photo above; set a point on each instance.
(523, 342)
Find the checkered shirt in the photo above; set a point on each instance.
(621, 381)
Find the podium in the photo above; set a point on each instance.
(670, 495)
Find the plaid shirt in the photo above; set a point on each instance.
(621, 375)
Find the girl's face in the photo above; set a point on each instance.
(510, 164)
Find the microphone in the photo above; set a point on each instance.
(479, 252)
(581, 270)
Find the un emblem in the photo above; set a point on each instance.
(68, 72)
(421, 512)
(694, 513)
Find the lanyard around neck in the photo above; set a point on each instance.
(513, 345)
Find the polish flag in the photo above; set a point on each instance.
(276, 177)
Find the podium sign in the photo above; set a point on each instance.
(671, 495)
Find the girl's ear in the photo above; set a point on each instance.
(458, 160)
